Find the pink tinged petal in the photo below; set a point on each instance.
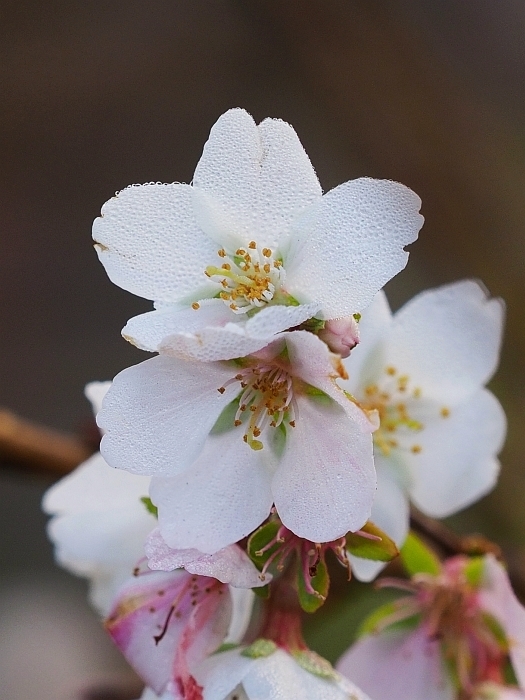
(260, 175)
(221, 499)
(95, 486)
(398, 666)
(447, 340)
(189, 623)
(95, 392)
(325, 482)
(341, 335)
(236, 339)
(157, 414)
(310, 359)
(348, 245)
(150, 244)
(366, 362)
(390, 512)
(148, 331)
(497, 597)
(229, 565)
(457, 463)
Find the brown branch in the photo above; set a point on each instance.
(31, 446)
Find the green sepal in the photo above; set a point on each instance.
(259, 539)
(383, 549)
(315, 664)
(496, 631)
(262, 591)
(226, 419)
(509, 675)
(371, 623)
(313, 325)
(310, 602)
(417, 558)
(146, 500)
(227, 646)
(474, 571)
(259, 649)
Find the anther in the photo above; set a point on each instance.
(195, 305)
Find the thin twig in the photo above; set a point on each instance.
(33, 447)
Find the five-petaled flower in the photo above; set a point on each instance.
(252, 244)
(424, 369)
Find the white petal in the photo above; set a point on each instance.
(236, 339)
(311, 360)
(148, 331)
(94, 485)
(221, 673)
(348, 245)
(95, 392)
(260, 176)
(447, 340)
(498, 598)
(243, 600)
(389, 512)
(229, 565)
(158, 414)
(457, 463)
(150, 244)
(221, 499)
(366, 361)
(397, 666)
(325, 482)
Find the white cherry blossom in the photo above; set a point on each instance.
(225, 441)
(424, 369)
(99, 523)
(252, 245)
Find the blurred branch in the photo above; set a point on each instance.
(39, 449)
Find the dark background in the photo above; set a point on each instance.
(99, 95)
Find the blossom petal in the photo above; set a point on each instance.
(398, 666)
(350, 243)
(95, 392)
(457, 464)
(366, 361)
(221, 499)
(148, 331)
(229, 565)
(158, 414)
(150, 244)
(236, 339)
(497, 597)
(390, 512)
(311, 360)
(95, 486)
(447, 340)
(222, 673)
(325, 482)
(260, 175)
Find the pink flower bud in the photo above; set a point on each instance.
(341, 335)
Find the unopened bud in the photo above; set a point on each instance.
(341, 335)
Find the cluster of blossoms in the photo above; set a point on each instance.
(287, 413)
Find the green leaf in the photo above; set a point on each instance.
(315, 664)
(381, 548)
(310, 602)
(474, 571)
(259, 649)
(371, 623)
(146, 500)
(260, 539)
(417, 558)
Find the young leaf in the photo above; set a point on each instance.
(146, 500)
(371, 623)
(378, 547)
(474, 571)
(417, 558)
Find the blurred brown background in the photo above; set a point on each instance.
(99, 95)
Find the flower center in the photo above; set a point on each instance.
(249, 279)
(390, 399)
(266, 399)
